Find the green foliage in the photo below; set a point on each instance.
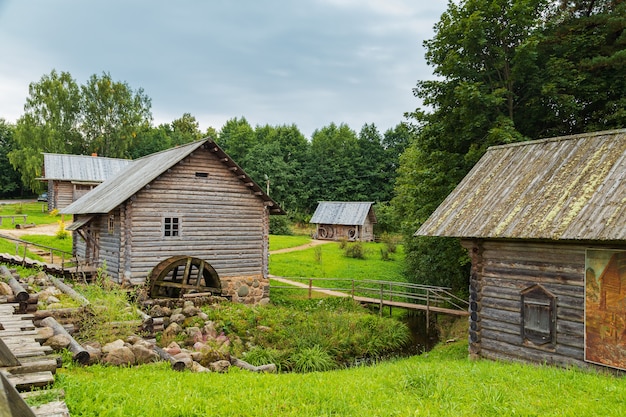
(355, 250)
(102, 116)
(310, 335)
(108, 303)
(10, 184)
(312, 359)
(279, 225)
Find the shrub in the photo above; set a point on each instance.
(390, 241)
(343, 242)
(355, 250)
(313, 359)
(279, 225)
(62, 233)
(317, 252)
(384, 254)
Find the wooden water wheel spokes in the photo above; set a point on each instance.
(183, 274)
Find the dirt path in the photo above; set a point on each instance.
(42, 229)
(312, 243)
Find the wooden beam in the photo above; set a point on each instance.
(11, 403)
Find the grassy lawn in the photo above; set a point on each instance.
(281, 242)
(441, 383)
(328, 261)
(37, 213)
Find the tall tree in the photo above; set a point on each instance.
(51, 123)
(331, 168)
(479, 50)
(112, 115)
(237, 138)
(10, 184)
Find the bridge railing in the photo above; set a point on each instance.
(68, 260)
(384, 291)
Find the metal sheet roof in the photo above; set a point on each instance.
(114, 191)
(81, 167)
(341, 212)
(570, 188)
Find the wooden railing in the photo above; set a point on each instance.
(68, 260)
(390, 293)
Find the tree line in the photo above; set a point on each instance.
(110, 119)
(506, 71)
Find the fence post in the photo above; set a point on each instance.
(310, 287)
(380, 308)
(390, 299)
(427, 310)
(353, 289)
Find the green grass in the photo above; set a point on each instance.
(333, 264)
(281, 242)
(37, 213)
(441, 383)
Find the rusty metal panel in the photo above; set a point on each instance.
(569, 187)
(342, 212)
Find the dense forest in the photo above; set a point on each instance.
(505, 71)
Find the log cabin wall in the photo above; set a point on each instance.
(501, 271)
(108, 227)
(219, 220)
(60, 194)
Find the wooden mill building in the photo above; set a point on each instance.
(190, 201)
(69, 177)
(337, 220)
(544, 223)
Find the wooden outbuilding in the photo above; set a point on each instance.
(173, 208)
(337, 220)
(69, 177)
(544, 223)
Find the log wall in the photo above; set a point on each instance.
(501, 270)
(220, 220)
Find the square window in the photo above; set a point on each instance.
(171, 227)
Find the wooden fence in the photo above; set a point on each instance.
(384, 293)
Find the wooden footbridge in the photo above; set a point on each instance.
(56, 261)
(390, 294)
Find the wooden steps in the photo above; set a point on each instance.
(25, 365)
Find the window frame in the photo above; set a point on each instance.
(171, 226)
(538, 304)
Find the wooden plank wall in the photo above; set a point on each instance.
(222, 221)
(62, 195)
(501, 270)
(109, 242)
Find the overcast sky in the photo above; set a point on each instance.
(303, 62)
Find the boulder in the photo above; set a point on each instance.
(143, 354)
(5, 289)
(219, 366)
(109, 347)
(120, 357)
(58, 342)
(45, 332)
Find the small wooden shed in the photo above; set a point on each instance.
(190, 201)
(69, 177)
(336, 220)
(545, 226)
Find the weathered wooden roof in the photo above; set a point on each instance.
(114, 191)
(342, 212)
(570, 188)
(80, 167)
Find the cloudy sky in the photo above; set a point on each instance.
(304, 62)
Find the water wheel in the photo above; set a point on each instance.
(179, 275)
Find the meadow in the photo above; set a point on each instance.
(443, 382)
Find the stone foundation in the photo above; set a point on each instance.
(247, 290)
